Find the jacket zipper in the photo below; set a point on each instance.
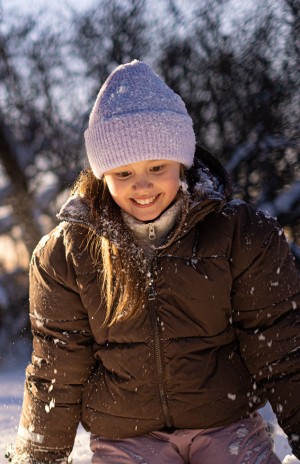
(158, 355)
(151, 232)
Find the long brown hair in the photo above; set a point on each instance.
(123, 263)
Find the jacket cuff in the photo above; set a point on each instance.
(18, 460)
(21, 460)
(25, 459)
(25, 453)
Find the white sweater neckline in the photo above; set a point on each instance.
(153, 234)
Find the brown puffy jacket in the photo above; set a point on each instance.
(220, 335)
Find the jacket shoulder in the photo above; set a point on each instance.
(252, 224)
(58, 251)
(243, 210)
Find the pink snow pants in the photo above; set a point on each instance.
(245, 442)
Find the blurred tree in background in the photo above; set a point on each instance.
(237, 71)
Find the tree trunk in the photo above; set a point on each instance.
(21, 201)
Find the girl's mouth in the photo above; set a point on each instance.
(145, 201)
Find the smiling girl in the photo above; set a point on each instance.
(164, 313)
(144, 189)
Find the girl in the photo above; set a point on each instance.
(164, 314)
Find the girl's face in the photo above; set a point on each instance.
(144, 189)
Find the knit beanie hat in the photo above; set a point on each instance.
(137, 117)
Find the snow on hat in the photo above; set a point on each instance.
(137, 117)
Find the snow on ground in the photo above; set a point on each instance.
(11, 391)
(12, 375)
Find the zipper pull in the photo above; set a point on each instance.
(152, 235)
(151, 293)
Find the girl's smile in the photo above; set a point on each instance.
(146, 188)
(144, 202)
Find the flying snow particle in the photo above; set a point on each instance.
(50, 406)
(279, 407)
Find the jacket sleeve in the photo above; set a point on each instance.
(266, 313)
(62, 358)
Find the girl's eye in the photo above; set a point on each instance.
(123, 174)
(157, 168)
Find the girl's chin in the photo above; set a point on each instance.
(145, 213)
(145, 217)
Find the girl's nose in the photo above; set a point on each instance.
(142, 183)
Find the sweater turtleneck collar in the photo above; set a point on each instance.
(153, 234)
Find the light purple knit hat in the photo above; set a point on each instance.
(137, 117)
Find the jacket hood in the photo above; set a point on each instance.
(207, 178)
(209, 187)
(206, 189)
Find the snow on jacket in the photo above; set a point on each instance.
(219, 336)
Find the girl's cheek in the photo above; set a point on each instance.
(111, 186)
